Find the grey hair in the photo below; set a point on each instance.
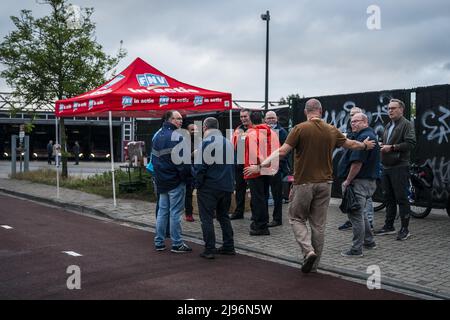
(355, 110)
(211, 123)
(313, 105)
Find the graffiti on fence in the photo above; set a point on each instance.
(441, 170)
(436, 130)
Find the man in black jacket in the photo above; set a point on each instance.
(214, 178)
(399, 140)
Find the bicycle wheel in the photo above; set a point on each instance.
(421, 202)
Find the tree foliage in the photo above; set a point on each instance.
(54, 57)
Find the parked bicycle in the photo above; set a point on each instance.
(419, 192)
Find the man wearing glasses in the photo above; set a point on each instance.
(171, 183)
(239, 146)
(360, 168)
(399, 139)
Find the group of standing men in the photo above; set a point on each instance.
(312, 143)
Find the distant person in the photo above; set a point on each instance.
(214, 179)
(399, 139)
(49, 152)
(76, 152)
(171, 184)
(314, 141)
(57, 153)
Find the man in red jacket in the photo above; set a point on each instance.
(260, 142)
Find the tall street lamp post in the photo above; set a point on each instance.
(266, 17)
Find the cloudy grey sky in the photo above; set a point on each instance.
(317, 47)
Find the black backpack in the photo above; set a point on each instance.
(349, 202)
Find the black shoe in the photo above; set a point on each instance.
(274, 223)
(370, 246)
(235, 216)
(226, 251)
(347, 225)
(403, 234)
(385, 230)
(260, 232)
(351, 254)
(207, 255)
(182, 248)
(308, 262)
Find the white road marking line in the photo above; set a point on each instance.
(72, 253)
(7, 227)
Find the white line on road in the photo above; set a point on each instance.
(72, 253)
(7, 227)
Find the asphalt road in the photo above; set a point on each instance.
(119, 262)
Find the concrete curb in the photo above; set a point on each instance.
(331, 269)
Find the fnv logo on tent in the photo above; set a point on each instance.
(127, 101)
(63, 107)
(198, 100)
(149, 80)
(163, 101)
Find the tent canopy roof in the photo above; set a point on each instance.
(143, 91)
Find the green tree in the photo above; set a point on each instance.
(55, 57)
(286, 100)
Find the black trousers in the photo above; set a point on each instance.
(241, 189)
(395, 185)
(276, 186)
(210, 201)
(49, 157)
(259, 190)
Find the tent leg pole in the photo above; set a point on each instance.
(231, 124)
(56, 158)
(112, 158)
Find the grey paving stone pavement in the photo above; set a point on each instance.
(421, 264)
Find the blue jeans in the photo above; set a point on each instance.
(171, 206)
(368, 210)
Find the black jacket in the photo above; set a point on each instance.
(404, 139)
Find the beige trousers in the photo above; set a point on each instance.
(310, 203)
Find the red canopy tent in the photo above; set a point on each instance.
(141, 91)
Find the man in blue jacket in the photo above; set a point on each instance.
(214, 178)
(170, 181)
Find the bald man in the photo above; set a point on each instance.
(314, 141)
